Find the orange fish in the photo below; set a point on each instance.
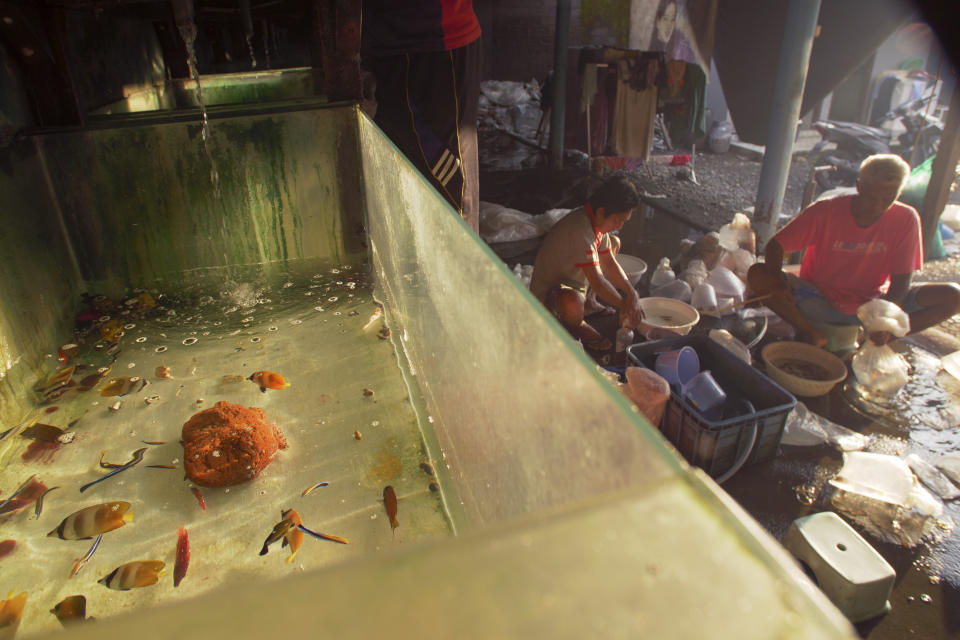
(268, 380)
(390, 503)
(71, 610)
(92, 521)
(140, 573)
(10, 611)
(288, 530)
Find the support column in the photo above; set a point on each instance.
(558, 108)
(942, 171)
(800, 28)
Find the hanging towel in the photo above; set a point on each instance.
(634, 115)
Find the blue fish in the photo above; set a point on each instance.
(137, 457)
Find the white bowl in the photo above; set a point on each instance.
(667, 314)
(633, 266)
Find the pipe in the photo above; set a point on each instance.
(801, 24)
(559, 107)
(183, 12)
(246, 19)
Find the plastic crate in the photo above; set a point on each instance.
(713, 441)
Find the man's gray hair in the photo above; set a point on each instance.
(884, 168)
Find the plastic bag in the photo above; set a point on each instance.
(649, 391)
(663, 274)
(880, 370)
(695, 273)
(737, 234)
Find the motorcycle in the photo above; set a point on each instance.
(908, 131)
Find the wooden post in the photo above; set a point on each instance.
(336, 29)
(942, 172)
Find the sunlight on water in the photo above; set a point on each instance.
(347, 418)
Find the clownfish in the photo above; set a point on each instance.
(287, 529)
(268, 380)
(10, 611)
(92, 521)
(71, 610)
(139, 573)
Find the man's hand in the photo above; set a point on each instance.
(881, 338)
(631, 314)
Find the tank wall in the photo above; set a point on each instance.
(522, 416)
(140, 203)
(39, 282)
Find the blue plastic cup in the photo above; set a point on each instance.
(703, 392)
(678, 366)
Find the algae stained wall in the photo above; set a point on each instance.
(149, 203)
(39, 282)
(523, 418)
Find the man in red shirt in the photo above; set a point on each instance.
(857, 248)
(424, 59)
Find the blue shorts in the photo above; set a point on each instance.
(816, 308)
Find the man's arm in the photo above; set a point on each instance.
(899, 286)
(628, 303)
(613, 272)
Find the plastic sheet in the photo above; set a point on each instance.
(933, 478)
(807, 429)
(881, 494)
(663, 275)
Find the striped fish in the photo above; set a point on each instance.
(140, 573)
(92, 521)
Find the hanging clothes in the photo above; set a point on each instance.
(688, 119)
(575, 129)
(635, 109)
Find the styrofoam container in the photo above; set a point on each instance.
(633, 267)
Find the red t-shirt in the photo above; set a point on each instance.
(848, 263)
(392, 27)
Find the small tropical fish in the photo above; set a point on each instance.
(183, 557)
(162, 466)
(92, 521)
(287, 530)
(162, 371)
(7, 547)
(268, 380)
(140, 573)
(108, 465)
(137, 457)
(310, 490)
(155, 443)
(10, 611)
(390, 503)
(19, 490)
(38, 506)
(323, 536)
(89, 554)
(121, 386)
(111, 330)
(71, 610)
(42, 432)
(26, 495)
(199, 496)
(57, 380)
(373, 317)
